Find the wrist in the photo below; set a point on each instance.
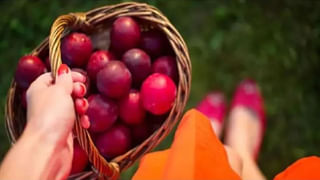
(43, 135)
(52, 153)
(32, 154)
(37, 137)
(41, 141)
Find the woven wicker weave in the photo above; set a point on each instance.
(91, 22)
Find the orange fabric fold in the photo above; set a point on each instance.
(196, 153)
(304, 168)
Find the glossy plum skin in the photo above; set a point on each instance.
(114, 142)
(98, 61)
(139, 64)
(130, 108)
(125, 34)
(80, 159)
(158, 93)
(28, 69)
(102, 113)
(166, 65)
(154, 43)
(114, 80)
(76, 49)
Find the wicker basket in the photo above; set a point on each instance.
(94, 22)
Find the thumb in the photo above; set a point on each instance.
(64, 78)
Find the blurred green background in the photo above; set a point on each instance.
(276, 42)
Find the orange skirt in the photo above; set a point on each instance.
(197, 153)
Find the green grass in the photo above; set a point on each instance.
(275, 42)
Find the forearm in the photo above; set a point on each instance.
(30, 158)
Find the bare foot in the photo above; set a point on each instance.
(243, 137)
(245, 129)
(235, 160)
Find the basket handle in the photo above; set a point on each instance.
(72, 21)
(76, 21)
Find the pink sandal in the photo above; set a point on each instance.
(214, 107)
(248, 95)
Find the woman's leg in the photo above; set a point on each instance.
(213, 106)
(196, 153)
(243, 136)
(246, 127)
(234, 160)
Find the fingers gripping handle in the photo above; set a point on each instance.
(70, 22)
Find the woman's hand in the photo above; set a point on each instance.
(45, 149)
(51, 109)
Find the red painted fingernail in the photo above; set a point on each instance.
(83, 90)
(81, 106)
(63, 69)
(85, 123)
